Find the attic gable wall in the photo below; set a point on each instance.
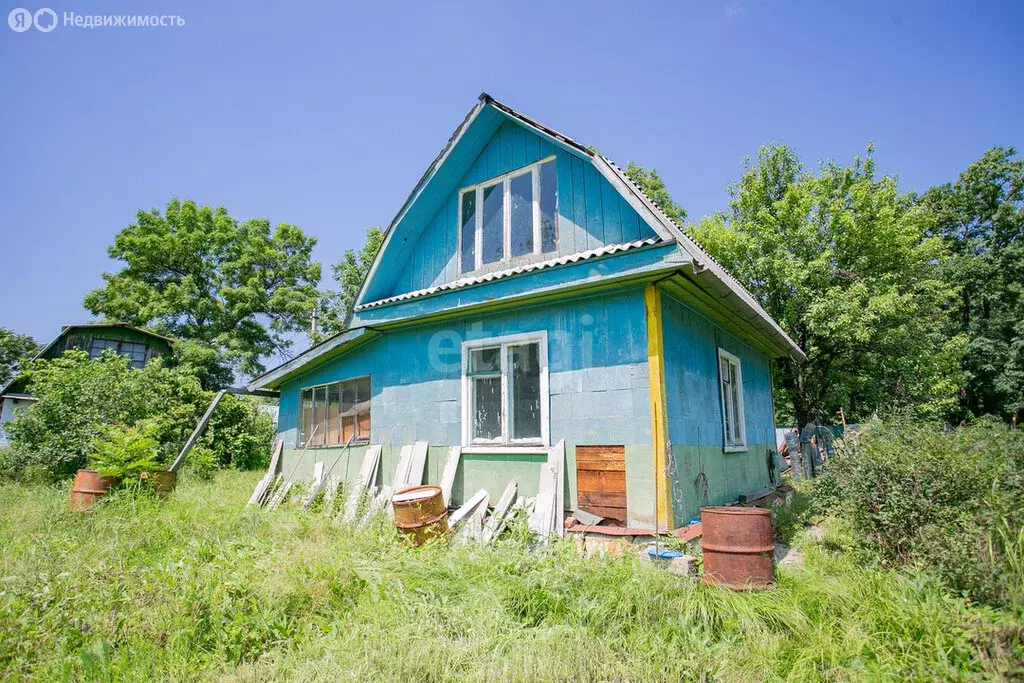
(591, 213)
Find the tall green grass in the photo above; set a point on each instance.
(201, 588)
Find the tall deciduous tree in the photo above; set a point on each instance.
(199, 274)
(15, 349)
(843, 261)
(654, 187)
(338, 306)
(980, 217)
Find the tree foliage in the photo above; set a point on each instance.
(654, 187)
(79, 400)
(844, 262)
(338, 305)
(980, 217)
(15, 350)
(197, 273)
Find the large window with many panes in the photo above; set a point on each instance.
(509, 219)
(505, 391)
(133, 351)
(331, 414)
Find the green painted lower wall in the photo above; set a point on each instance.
(488, 471)
(705, 475)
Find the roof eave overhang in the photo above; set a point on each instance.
(312, 357)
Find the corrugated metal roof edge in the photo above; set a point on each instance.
(518, 270)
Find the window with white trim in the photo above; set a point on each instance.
(331, 414)
(730, 378)
(505, 391)
(509, 218)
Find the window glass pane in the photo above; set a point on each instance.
(363, 391)
(316, 431)
(363, 408)
(468, 227)
(97, 347)
(737, 418)
(493, 238)
(548, 207)
(485, 360)
(726, 400)
(521, 196)
(305, 414)
(524, 366)
(363, 424)
(486, 407)
(333, 413)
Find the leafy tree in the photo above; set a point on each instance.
(843, 261)
(980, 217)
(338, 306)
(15, 349)
(654, 187)
(78, 402)
(199, 274)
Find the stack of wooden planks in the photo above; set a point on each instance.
(355, 503)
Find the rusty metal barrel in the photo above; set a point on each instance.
(89, 487)
(162, 481)
(420, 513)
(737, 544)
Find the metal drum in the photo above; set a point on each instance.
(738, 547)
(420, 513)
(89, 487)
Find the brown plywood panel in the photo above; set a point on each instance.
(603, 499)
(601, 480)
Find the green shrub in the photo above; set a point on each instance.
(76, 398)
(126, 452)
(939, 499)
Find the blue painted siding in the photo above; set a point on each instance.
(701, 472)
(591, 213)
(597, 373)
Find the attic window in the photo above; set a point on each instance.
(509, 218)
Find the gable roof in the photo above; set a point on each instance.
(94, 325)
(708, 273)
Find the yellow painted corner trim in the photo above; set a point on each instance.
(659, 426)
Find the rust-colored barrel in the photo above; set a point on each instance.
(420, 513)
(163, 481)
(737, 544)
(89, 487)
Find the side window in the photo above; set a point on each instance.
(730, 378)
(331, 414)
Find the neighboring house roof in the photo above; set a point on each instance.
(65, 330)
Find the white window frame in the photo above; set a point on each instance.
(740, 444)
(505, 180)
(503, 442)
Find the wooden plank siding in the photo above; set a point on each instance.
(591, 213)
(601, 481)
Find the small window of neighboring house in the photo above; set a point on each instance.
(331, 414)
(730, 379)
(133, 351)
(509, 218)
(505, 391)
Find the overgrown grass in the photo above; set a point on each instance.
(198, 587)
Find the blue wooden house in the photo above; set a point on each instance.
(529, 292)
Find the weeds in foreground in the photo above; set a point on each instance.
(199, 587)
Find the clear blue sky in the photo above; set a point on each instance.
(325, 115)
